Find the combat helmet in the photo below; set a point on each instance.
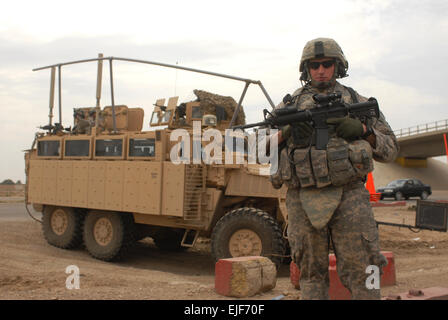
(319, 48)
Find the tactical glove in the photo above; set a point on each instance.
(347, 128)
(303, 130)
(299, 132)
(286, 131)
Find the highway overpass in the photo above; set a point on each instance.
(421, 142)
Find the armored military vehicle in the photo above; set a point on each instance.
(105, 182)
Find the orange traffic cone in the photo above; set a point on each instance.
(370, 186)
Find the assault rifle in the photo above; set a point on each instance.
(327, 106)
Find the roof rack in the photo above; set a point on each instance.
(100, 60)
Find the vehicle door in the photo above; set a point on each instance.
(418, 186)
(408, 189)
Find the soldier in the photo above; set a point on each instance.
(327, 202)
(82, 125)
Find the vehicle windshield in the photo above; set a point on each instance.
(160, 117)
(155, 118)
(396, 183)
(166, 116)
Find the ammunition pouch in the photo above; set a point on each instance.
(300, 159)
(276, 178)
(341, 163)
(361, 156)
(320, 167)
(287, 169)
(284, 172)
(348, 162)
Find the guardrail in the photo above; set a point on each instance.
(422, 128)
(12, 193)
(14, 190)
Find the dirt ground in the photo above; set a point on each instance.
(31, 269)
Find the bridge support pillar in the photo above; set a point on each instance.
(412, 162)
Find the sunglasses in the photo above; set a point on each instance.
(326, 64)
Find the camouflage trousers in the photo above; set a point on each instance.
(353, 234)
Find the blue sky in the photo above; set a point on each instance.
(397, 52)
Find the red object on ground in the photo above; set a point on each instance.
(433, 293)
(223, 272)
(389, 275)
(337, 291)
(294, 275)
(370, 186)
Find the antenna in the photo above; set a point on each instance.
(98, 90)
(50, 115)
(175, 80)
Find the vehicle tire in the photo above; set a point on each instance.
(398, 196)
(424, 195)
(169, 239)
(108, 235)
(381, 197)
(62, 227)
(248, 232)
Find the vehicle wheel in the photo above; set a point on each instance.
(169, 239)
(424, 195)
(62, 227)
(248, 232)
(398, 196)
(108, 235)
(381, 197)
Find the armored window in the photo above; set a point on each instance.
(155, 118)
(77, 148)
(196, 113)
(142, 148)
(109, 148)
(220, 113)
(166, 116)
(49, 148)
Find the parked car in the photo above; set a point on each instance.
(404, 188)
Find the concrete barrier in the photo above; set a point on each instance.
(244, 276)
(337, 291)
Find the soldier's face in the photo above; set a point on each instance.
(321, 70)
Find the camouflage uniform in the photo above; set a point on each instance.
(340, 216)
